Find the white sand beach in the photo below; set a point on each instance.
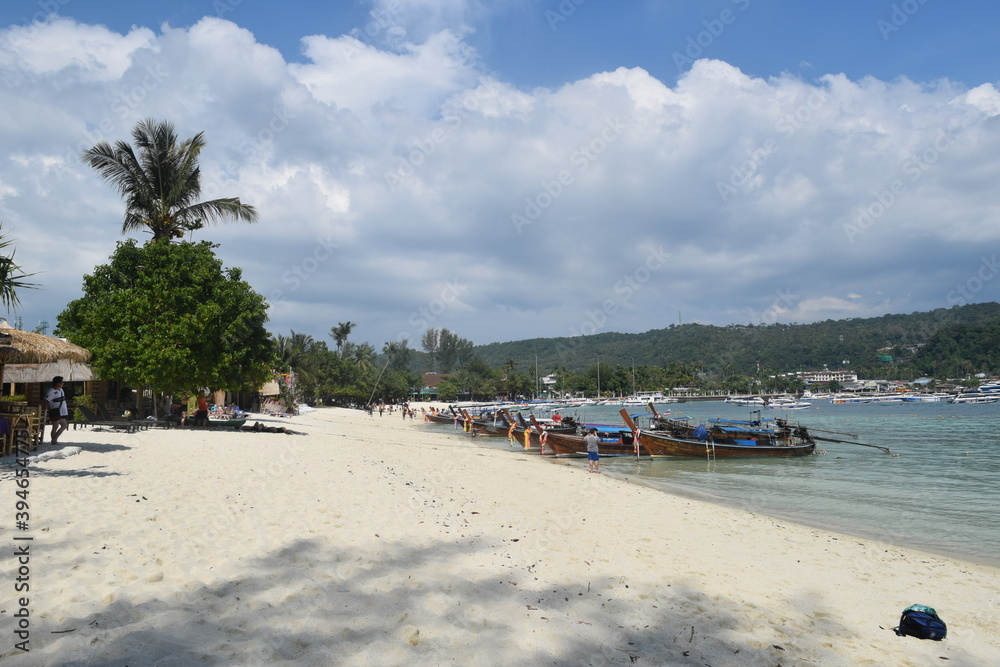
(374, 541)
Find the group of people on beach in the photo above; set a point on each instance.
(383, 408)
(197, 409)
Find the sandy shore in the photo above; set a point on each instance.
(373, 541)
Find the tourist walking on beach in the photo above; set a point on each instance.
(55, 399)
(593, 457)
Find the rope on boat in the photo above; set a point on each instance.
(819, 430)
(849, 442)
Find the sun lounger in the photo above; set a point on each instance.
(90, 419)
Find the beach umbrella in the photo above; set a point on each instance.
(26, 347)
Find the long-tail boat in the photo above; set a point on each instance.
(442, 417)
(482, 425)
(702, 444)
(767, 428)
(520, 430)
(614, 442)
(520, 433)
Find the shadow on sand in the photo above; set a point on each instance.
(311, 602)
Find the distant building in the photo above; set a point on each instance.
(824, 375)
(431, 381)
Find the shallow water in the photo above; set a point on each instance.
(940, 494)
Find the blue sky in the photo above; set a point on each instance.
(544, 43)
(528, 168)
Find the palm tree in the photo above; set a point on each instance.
(297, 353)
(162, 183)
(363, 356)
(340, 333)
(11, 277)
(398, 353)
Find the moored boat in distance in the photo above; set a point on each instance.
(787, 403)
(936, 397)
(745, 400)
(975, 397)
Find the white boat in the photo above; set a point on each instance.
(975, 397)
(840, 398)
(809, 396)
(745, 400)
(643, 398)
(787, 404)
(925, 398)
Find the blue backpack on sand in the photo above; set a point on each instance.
(921, 622)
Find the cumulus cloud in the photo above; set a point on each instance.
(403, 186)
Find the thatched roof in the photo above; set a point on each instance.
(35, 348)
(70, 371)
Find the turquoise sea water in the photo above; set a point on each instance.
(940, 494)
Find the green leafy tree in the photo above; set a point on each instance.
(170, 316)
(447, 391)
(161, 183)
(453, 351)
(302, 355)
(431, 344)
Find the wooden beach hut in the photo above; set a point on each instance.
(30, 354)
(33, 359)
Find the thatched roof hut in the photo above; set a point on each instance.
(25, 347)
(36, 357)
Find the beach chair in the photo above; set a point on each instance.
(36, 425)
(6, 437)
(90, 419)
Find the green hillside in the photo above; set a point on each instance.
(742, 349)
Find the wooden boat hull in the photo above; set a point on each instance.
(489, 430)
(665, 446)
(441, 418)
(576, 446)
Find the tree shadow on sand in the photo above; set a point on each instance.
(43, 469)
(311, 602)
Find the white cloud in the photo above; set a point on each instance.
(349, 74)
(386, 173)
(94, 53)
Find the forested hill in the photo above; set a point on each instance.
(864, 344)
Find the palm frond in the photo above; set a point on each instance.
(162, 182)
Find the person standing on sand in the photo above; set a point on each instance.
(593, 457)
(55, 400)
(192, 408)
(201, 417)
